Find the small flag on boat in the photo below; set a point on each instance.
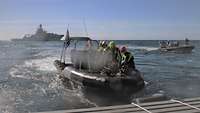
(66, 36)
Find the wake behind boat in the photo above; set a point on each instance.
(175, 47)
(91, 68)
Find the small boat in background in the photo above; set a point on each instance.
(176, 47)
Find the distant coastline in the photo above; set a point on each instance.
(40, 35)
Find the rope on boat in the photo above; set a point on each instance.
(186, 104)
(141, 107)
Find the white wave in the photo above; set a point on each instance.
(7, 101)
(83, 99)
(45, 64)
(146, 83)
(30, 67)
(40, 89)
(19, 71)
(48, 53)
(22, 72)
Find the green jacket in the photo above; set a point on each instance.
(127, 56)
(128, 59)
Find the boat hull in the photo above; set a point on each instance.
(94, 80)
(180, 49)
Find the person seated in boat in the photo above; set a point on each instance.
(187, 41)
(168, 42)
(127, 63)
(102, 46)
(115, 52)
(114, 59)
(176, 44)
(172, 44)
(88, 45)
(163, 44)
(101, 55)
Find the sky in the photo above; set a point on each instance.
(102, 19)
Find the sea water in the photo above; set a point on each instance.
(29, 81)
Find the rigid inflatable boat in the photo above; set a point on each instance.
(179, 49)
(84, 69)
(176, 47)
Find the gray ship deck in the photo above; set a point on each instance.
(191, 105)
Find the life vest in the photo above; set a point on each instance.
(127, 57)
(115, 53)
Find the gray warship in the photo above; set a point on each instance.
(40, 35)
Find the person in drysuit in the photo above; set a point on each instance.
(102, 46)
(113, 59)
(115, 52)
(127, 63)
